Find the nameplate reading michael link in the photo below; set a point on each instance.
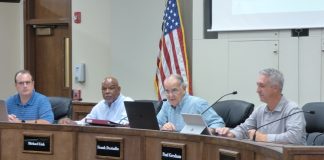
(37, 144)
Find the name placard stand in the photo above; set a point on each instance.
(228, 154)
(173, 151)
(41, 143)
(109, 147)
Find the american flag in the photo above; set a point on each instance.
(172, 58)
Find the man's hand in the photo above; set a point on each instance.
(66, 121)
(13, 118)
(224, 132)
(258, 135)
(168, 127)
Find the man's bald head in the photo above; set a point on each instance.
(110, 89)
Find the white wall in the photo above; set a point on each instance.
(121, 38)
(11, 46)
(124, 43)
(91, 45)
(117, 38)
(235, 56)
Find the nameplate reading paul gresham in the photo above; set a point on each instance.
(171, 153)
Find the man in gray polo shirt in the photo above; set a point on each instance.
(289, 130)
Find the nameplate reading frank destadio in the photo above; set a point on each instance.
(109, 147)
(172, 151)
(37, 143)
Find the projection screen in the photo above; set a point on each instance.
(236, 15)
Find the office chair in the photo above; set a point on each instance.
(314, 123)
(61, 107)
(233, 112)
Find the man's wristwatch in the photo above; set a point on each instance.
(23, 121)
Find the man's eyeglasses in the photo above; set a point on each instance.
(173, 91)
(24, 83)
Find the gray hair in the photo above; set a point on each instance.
(179, 78)
(275, 77)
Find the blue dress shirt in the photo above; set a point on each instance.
(192, 105)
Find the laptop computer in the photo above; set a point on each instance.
(141, 115)
(3, 111)
(195, 124)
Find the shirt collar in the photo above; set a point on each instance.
(114, 102)
(30, 101)
(182, 101)
(279, 106)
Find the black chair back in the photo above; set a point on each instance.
(233, 112)
(315, 139)
(314, 122)
(61, 107)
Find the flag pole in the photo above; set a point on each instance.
(185, 50)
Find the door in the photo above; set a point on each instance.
(47, 45)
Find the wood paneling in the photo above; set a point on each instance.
(79, 142)
(81, 109)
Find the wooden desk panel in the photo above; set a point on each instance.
(81, 109)
(12, 145)
(87, 145)
(212, 151)
(303, 152)
(193, 150)
(79, 142)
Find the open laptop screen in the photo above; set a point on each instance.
(141, 115)
(3, 112)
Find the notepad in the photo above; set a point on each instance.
(100, 122)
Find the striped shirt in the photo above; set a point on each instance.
(37, 107)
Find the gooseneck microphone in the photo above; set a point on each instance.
(254, 135)
(119, 122)
(161, 103)
(234, 92)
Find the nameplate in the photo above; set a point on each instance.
(228, 154)
(109, 147)
(37, 143)
(172, 151)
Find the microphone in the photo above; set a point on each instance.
(234, 92)
(119, 122)
(160, 106)
(161, 103)
(254, 135)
